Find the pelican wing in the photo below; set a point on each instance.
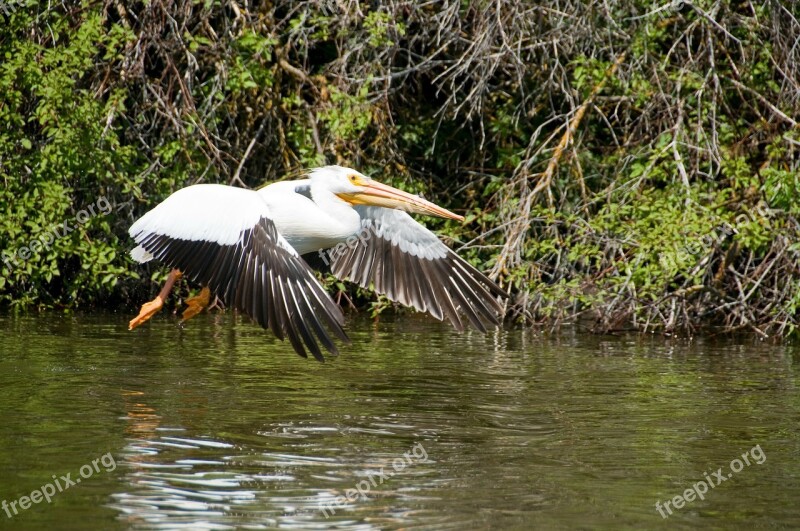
(409, 264)
(223, 237)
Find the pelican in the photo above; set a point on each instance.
(246, 247)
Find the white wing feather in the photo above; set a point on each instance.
(203, 212)
(403, 231)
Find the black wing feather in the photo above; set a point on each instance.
(432, 278)
(264, 278)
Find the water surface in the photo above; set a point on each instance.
(220, 426)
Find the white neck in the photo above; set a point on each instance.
(344, 220)
(310, 226)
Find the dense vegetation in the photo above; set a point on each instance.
(633, 163)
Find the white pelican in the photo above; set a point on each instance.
(246, 246)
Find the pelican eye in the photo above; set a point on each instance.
(353, 179)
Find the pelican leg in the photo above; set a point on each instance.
(196, 304)
(149, 309)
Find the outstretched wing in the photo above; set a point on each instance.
(223, 237)
(410, 265)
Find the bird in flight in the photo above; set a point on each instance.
(247, 246)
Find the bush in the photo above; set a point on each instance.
(630, 162)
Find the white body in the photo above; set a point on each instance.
(308, 225)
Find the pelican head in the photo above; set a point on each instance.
(355, 188)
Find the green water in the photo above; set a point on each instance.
(219, 426)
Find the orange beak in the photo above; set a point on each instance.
(382, 195)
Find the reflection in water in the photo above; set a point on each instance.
(221, 484)
(142, 419)
(219, 426)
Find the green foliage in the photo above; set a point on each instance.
(58, 156)
(672, 202)
(348, 116)
(379, 25)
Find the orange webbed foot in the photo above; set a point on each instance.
(149, 309)
(196, 304)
